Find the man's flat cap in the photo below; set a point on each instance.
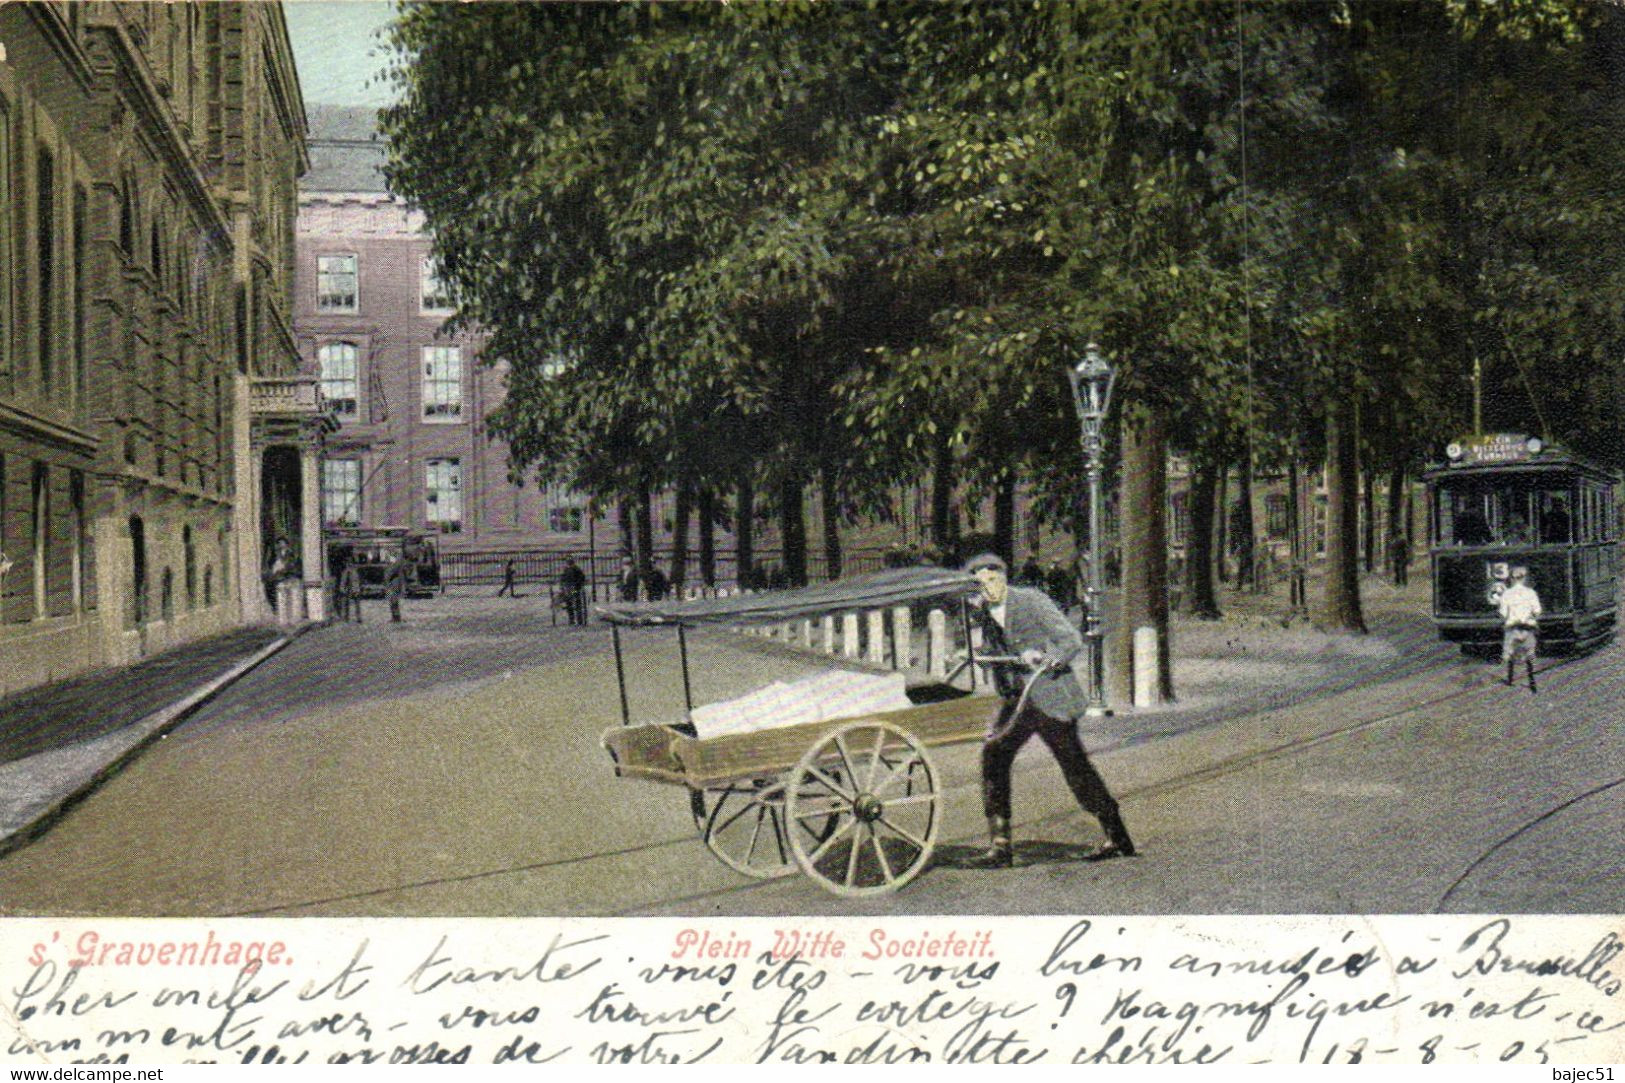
(985, 560)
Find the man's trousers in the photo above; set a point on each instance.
(1061, 735)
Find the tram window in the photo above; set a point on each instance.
(1464, 516)
(1556, 520)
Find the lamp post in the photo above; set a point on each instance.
(1092, 380)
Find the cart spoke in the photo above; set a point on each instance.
(912, 799)
(829, 783)
(876, 758)
(779, 833)
(880, 855)
(907, 835)
(755, 832)
(891, 776)
(852, 857)
(823, 847)
(846, 760)
(744, 808)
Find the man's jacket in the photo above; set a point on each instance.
(1033, 622)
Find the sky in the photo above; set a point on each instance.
(337, 50)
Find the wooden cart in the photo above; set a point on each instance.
(854, 803)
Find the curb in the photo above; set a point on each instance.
(34, 791)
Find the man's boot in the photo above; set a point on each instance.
(1529, 663)
(1510, 666)
(1000, 854)
(1118, 843)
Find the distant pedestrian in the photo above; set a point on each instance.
(395, 586)
(573, 585)
(626, 584)
(1031, 574)
(507, 580)
(349, 592)
(282, 580)
(1520, 618)
(1399, 555)
(658, 584)
(1060, 585)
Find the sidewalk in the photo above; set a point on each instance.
(59, 739)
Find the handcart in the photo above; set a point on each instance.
(852, 802)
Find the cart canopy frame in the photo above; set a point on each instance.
(875, 590)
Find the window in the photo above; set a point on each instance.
(81, 217)
(45, 246)
(432, 295)
(442, 383)
(42, 534)
(341, 492)
(443, 495)
(565, 520)
(336, 284)
(81, 539)
(189, 566)
(138, 570)
(338, 362)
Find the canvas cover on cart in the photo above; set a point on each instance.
(877, 590)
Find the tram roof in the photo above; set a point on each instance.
(1546, 460)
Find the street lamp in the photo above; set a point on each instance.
(1092, 380)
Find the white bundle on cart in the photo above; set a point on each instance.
(821, 697)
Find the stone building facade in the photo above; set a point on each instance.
(149, 155)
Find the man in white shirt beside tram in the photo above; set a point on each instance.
(1520, 619)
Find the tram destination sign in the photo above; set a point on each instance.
(1499, 447)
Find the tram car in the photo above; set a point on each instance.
(1508, 501)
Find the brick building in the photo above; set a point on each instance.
(412, 449)
(148, 160)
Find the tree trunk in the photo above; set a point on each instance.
(645, 534)
(679, 536)
(708, 535)
(1201, 598)
(1368, 521)
(942, 492)
(745, 534)
(1342, 589)
(793, 528)
(829, 503)
(1143, 597)
(629, 545)
(1221, 527)
(1297, 544)
(1399, 531)
(1004, 519)
(1246, 530)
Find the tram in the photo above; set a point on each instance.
(1506, 501)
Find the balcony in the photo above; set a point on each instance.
(290, 403)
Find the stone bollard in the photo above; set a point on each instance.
(828, 622)
(849, 635)
(877, 636)
(807, 634)
(902, 637)
(1147, 666)
(936, 623)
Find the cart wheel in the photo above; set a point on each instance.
(872, 792)
(745, 825)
